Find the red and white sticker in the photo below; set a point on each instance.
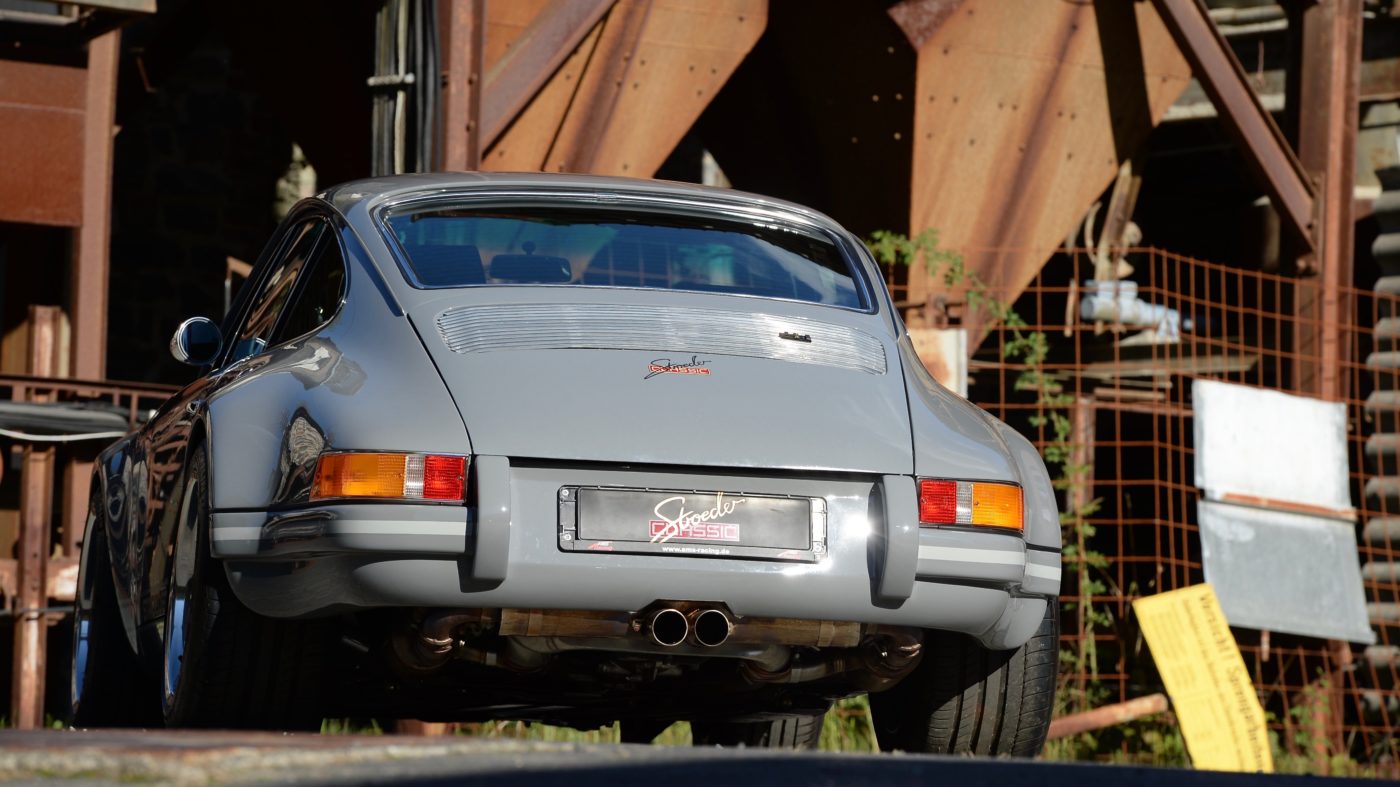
(695, 366)
(675, 521)
(694, 531)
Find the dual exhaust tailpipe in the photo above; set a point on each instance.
(704, 626)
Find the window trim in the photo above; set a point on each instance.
(282, 238)
(655, 203)
(281, 242)
(330, 235)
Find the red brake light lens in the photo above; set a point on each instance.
(445, 477)
(938, 502)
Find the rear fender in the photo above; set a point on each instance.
(953, 438)
(362, 382)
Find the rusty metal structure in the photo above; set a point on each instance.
(1001, 124)
(1132, 413)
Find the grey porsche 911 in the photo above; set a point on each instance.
(574, 450)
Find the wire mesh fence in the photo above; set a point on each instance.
(1126, 390)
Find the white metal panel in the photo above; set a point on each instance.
(1281, 571)
(944, 353)
(1269, 445)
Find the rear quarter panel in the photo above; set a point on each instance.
(363, 381)
(954, 438)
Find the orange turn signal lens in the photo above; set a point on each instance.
(996, 505)
(982, 503)
(390, 476)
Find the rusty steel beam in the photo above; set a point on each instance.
(88, 306)
(1223, 79)
(514, 80)
(31, 597)
(20, 383)
(1083, 425)
(465, 30)
(43, 117)
(36, 504)
(1328, 88)
(77, 482)
(582, 134)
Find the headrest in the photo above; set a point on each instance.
(531, 269)
(446, 264)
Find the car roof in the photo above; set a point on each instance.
(347, 196)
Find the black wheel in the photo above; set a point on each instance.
(107, 687)
(799, 731)
(223, 665)
(966, 699)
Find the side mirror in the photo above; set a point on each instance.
(196, 342)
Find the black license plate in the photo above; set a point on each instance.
(692, 523)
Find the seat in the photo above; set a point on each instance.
(446, 264)
(530, 269)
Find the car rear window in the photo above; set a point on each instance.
(454, 247)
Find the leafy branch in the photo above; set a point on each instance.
(1030, 349)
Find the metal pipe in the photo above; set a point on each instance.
(709, 627)
(428, 646)
(566, 623)
(1254, 29)
(1238, 16)
(749, 631)
(668, 626)
(888, 655)
(1220, 73)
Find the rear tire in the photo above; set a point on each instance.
(107, 687)
(223, 665)
(799, 731)
(966, 699)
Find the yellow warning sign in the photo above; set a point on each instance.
(1215, 703)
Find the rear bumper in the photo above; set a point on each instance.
(879, 568)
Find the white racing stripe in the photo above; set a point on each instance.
(962, 554)
(235, 533)
(1043, 572)
(354, 529)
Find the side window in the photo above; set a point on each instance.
(323, 285)
(274, 292)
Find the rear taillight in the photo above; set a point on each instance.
(979, 503)
(390, 476)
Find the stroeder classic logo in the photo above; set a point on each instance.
(665, 366)
(694, 525)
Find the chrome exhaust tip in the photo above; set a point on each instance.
(710, 627)
(668, 627)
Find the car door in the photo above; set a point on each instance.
(160, 453)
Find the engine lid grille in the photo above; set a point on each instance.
(478, 329)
